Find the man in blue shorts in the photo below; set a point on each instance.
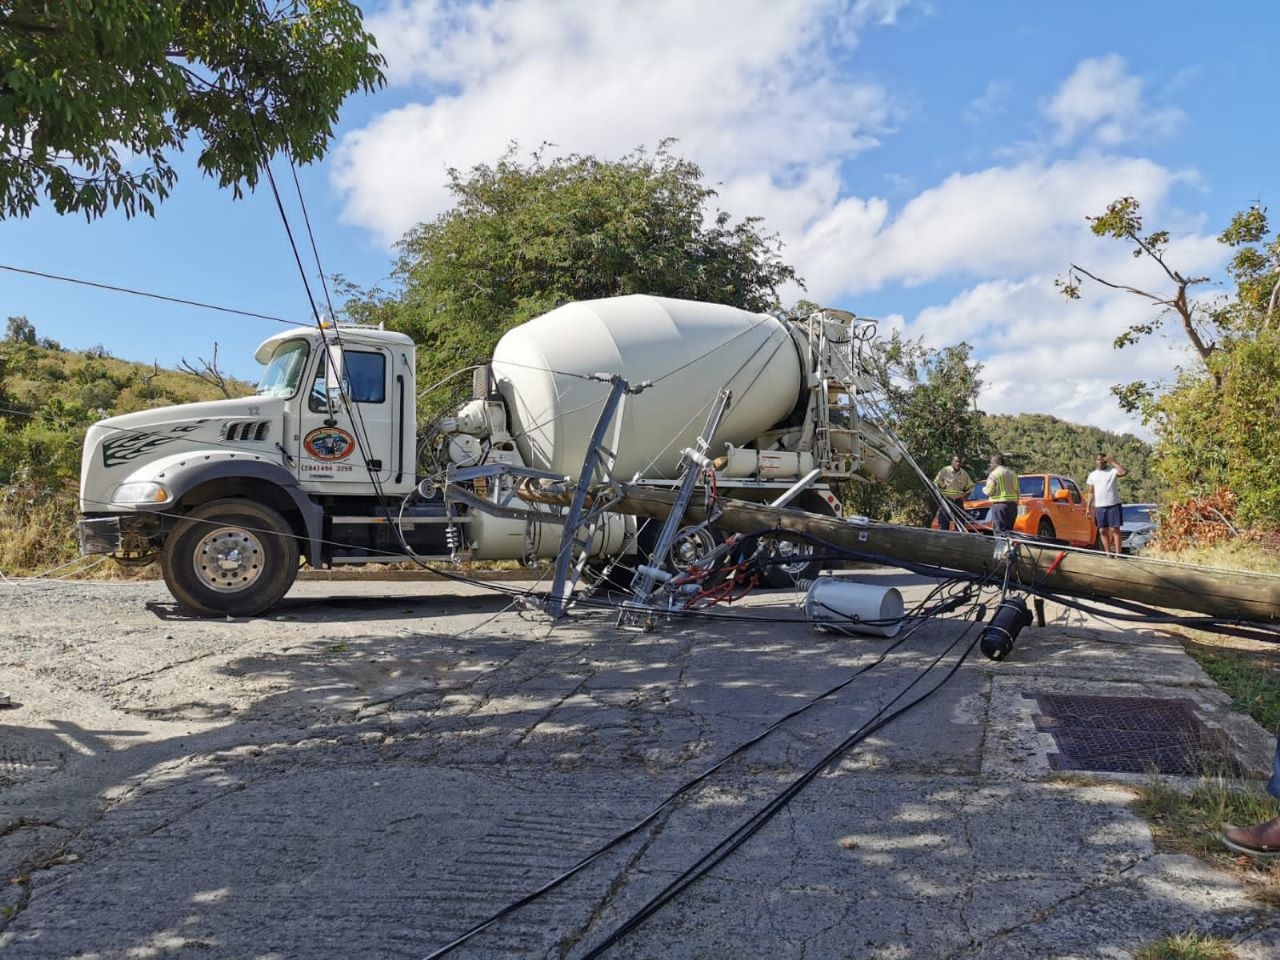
(1104, 501)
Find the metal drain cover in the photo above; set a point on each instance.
(1132, 735)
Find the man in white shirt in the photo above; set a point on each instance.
(1104, 501)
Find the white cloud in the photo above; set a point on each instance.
(761, 94)
(991, 103)
(1103, 100)
(748, 86)
(1005, 220)
(1044, 354)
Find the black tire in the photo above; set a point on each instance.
(1045, 531)
(787, 575)
(256, 553)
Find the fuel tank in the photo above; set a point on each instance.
(688, 350)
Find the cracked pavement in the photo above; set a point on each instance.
(377, 766)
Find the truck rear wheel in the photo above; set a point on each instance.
(230, 557)
(690, 545)
(792, 559)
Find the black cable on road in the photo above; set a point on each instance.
(631, 831)
(753, 825)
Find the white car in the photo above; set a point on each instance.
(1138, 523)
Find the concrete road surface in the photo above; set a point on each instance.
(375, 767)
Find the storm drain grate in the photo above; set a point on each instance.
(1132, 735)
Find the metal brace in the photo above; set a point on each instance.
(580, 523)
(636, 611)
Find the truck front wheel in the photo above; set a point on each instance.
(230, 557)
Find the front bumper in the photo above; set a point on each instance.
(120, 534)
(98, 535)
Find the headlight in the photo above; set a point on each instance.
(140, 493)
(1022, 510)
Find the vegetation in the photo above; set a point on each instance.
(1038, 443)
(99, 96)
(1255, 553)
(1217, 423)
(526, 236)
(931, 398)
(1187, 946)
(1192, 823)
(1250, 676)
(48, 398)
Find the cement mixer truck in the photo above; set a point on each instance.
(325, 463)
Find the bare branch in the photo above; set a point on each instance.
(1120, 286)
(208, 372)
(1176, 277)
(1188, 324)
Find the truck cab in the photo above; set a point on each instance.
(228, 495)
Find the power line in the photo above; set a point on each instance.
(152, 296)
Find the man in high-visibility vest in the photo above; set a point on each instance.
(1002, 491)
(954, 483)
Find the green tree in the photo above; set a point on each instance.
(526, 236)
(931, 406)
(20, 330)
(1200, 323)
(95, 97)
(1216, 424)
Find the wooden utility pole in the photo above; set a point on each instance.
(1232, 595)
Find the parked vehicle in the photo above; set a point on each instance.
(1050, 506)
(1138, 526)
(325, 463)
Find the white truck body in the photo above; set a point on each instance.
(325, 456)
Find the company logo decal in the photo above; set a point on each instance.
(329, 443)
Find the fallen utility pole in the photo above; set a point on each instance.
(1230, 595)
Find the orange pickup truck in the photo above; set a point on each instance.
(1049, 506)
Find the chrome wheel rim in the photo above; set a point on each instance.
(690, 547)
(228, 559)
(798, 555)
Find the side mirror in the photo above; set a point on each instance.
(333, 368)
(1062, 496)
(333, 385)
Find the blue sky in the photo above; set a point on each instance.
(930, 164)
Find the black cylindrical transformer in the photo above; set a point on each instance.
(1006, 623)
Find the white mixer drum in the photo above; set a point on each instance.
(690, 350)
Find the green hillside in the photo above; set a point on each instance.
(48, 398)
(1039, 443)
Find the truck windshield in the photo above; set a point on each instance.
(284, 369)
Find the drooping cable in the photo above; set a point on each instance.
(757, 821)
(153, 296)
(666, 802)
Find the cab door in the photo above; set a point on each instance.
(1087, 532)
(347, 421)
(1067, 509)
